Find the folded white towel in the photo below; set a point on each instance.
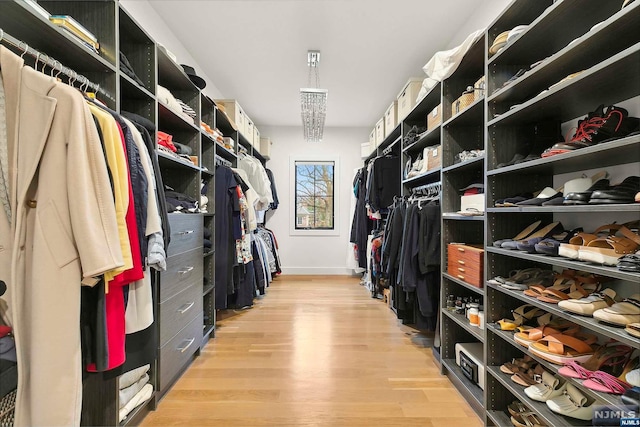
(126, 394)
(129, 378)
(142, 396)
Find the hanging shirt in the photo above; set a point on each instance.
(4, 155)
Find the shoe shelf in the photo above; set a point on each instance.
(425, 106)
(630, 207)
(589, 323)
(470, 391)
(588, 50)
(479, 291)
(472, 163)
(499, 418)
(463, 322)
(549, 417)
(568, 263)
(557, 26)
(429, 176)
(453, 216)
(470, 116)
(613, 80)
(617, 152)
(432, 137)
(609, 399)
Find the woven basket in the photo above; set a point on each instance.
(461, 103)
(7, 409)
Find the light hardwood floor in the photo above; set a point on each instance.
(316, 351)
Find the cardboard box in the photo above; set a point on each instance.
(434, 118)
(407, 97)
(433, 157)
(391, 118)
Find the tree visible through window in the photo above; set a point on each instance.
(314, 195)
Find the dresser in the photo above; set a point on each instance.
(180, 296)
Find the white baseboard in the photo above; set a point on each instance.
(318, 271)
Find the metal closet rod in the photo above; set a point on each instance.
(54, 64)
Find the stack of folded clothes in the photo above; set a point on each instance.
(187, 110)
(168, 100)
(126, 68)
(179, 202)
(134, 390)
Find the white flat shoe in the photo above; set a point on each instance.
(572, 403)
(550, 387)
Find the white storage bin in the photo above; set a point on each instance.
(373, 143)
(380, 131)
(365, 150)
(234, 112)
(407, 97)
(248, 130)
(256, 138)
(265, 147)
(391, 118)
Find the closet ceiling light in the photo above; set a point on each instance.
(313, 102)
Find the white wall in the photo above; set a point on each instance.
(325, 255)
(155, 26)
(481, 19)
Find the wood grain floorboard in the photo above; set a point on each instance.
(316, 351)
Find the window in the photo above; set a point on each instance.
(314, 184)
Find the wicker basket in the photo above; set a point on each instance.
(7, 409)
(463, 102)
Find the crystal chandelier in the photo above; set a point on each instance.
(313, 102)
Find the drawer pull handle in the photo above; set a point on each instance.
(186, 270)
(461, 262)
(461, 270)
(460, 249)
(185, 232)
(186, 307)
(184, 348)
(460, 276)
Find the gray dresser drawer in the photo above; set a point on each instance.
(183, 270)
(179, 310)
(177, 352)
(186, 233)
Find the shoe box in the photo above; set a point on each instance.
(469, 358)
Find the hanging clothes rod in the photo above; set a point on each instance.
(54, 64)
(432, 189)
(389, 149)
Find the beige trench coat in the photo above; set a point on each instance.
(63, 231)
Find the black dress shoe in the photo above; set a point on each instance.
(546, 195)
(583, 197)
(621, 193)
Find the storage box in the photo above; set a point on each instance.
(461, 103)
(470, 359)
(373, 142)
(391, 118)
(234, 112)
(475, 201)
(479, 88)
(248, 131)
(256, 138)
(365, 150)
(380, 131)
(434, 118)
(407, 97)
(433, 157)
(265, 147)
(466, 262)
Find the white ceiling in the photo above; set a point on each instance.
(256, 50)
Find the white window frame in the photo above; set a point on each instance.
(336, 195)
